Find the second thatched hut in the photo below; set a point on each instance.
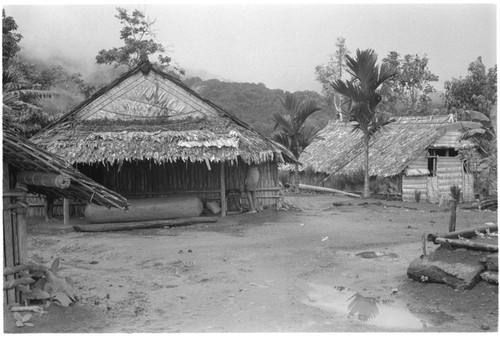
(416, 157)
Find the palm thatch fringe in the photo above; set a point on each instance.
(148, 114)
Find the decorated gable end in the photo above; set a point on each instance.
(148, 135)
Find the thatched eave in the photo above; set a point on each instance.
(24, 155)
(154, 116)
(340, 151)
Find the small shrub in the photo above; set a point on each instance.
(417, 195)
(284, 177)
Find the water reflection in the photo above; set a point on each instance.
(371, 310)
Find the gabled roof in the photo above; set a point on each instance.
(341, 151)
(148, 114)
(26, 156)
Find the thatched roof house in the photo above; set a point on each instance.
(147, 134)
(420, 151)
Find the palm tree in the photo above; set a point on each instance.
(20, 99)
(363, 98)
(292, 128)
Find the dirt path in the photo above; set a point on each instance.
(273, 271)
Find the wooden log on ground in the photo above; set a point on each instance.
(465, 244)
(327, 190)
(60, 181)
(120, 226)
(147, 210)
(468, 233)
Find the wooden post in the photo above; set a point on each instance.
(8, 235)
(22, 230)
(66, 211)
(223, 201)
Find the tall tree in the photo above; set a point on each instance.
(362, 98)
(20, 99)
(333, 70)
(10, 39)
(292, 129)
(477, 91)
(139, 42)
(411, 86)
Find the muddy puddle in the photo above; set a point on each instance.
(383, 313)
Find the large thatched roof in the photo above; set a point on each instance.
(26, 156)
(341, 151)
(148, 114)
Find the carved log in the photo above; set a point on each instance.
(44, 179)
(147, 210)
(120, 226)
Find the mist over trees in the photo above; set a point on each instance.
(67, 83)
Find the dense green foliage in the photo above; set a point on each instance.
(10, 39)
(477, 91)
(293, 128)
(254, 103)
(410, 88)
(34, 95)
(21, 97)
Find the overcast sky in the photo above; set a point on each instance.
(276, 44)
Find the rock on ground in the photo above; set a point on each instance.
(459, 268)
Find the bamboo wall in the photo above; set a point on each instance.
(412, 184)
(450, 172)
(15, 235)
(36, 204)
(145, 179)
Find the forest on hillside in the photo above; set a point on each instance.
(254, 103)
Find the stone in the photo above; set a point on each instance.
(459, 275)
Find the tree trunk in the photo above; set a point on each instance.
(366, 190)
(453, 216)
(297, 180)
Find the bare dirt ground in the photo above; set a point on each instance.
(274, 271)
